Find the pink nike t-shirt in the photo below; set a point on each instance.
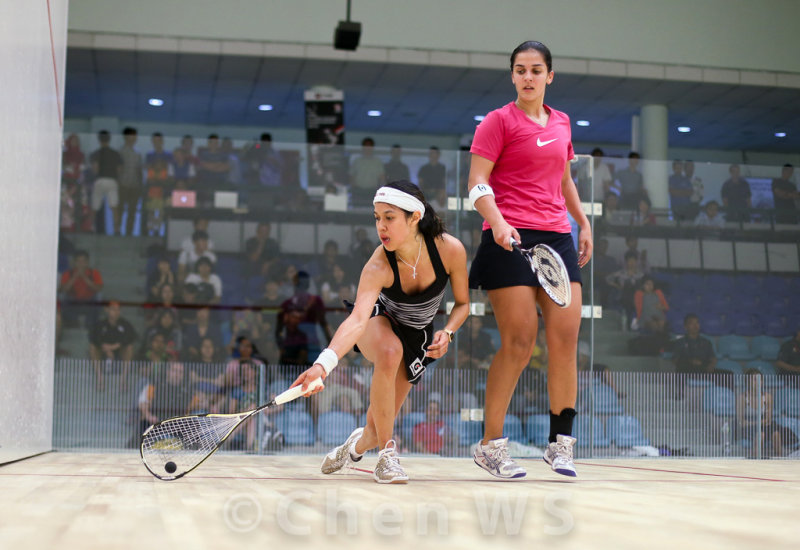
(529, 163)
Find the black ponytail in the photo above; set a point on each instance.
(431, 225)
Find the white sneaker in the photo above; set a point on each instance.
(388, 469)
(559, 455)
(493, 457)
(340, 456)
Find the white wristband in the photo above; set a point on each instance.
(328, 359)
(480, 190)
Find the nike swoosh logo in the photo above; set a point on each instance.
(541, 143)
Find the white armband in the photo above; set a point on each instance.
(479, 191)
(328, 359)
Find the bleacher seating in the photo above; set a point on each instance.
(335, 426)
(537, 429)
(409, 421)
(733, 346)
(719, 401)
(605, 399)
(625, 431)
(583, 427)
(468, 432)
(512, 429)
(765, 347)
(297, 427)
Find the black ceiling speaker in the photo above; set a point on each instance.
(347, 33)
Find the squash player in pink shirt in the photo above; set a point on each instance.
(520, 183)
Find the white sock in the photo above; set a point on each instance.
(353, 454)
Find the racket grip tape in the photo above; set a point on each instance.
(293, 393)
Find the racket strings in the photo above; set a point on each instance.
(185, 441)
(551, 268)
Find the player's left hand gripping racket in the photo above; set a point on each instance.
(549, 268)
(174, 447)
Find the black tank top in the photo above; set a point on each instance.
(418, 310)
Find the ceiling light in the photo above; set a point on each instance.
(684, 129)
(374, 113)
(582, 123)
(780, 134)
(155, 102)
(478, 118)
(265, 107)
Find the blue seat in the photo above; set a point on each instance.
(583, 427)
(605, 399)
(626, 431)
(787, 402)
(779, 327)
(537, 428)
(747, 323)
(335, 426)
(715, 324)
(297, 427)
(794, 425)
(468, 432)
(719, 401)
(733, 346)
(512, 429)
(765, 347)
(409, 421)
(730, 366)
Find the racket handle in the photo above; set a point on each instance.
(513, 242)
(293, 393)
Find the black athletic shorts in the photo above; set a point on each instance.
(415, 343)
(494, 267)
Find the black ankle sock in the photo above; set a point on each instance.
(561, 423)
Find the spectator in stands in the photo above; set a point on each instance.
(439, 201)
(643, 216)
(603, 180)
(188, 302)
(313, 314)
(611, 214)
(785, 196)
(271, 297)
(245, 352)
(788, 361)
(361, 248)
(604, 265)
(213, 166)
(166, 303)
(156, 351)
(168, 327)
(429, 435)
(111, 339)
(261, 252)
(286, 280)
(183, 169)
(187, 260)
(680, 193)
(710, 217)
(74, 194)
(292, 343)
(209, 285)
(754, 406)
(245, 322)
(106, 168)
(632, 245)
(396, 169)
(168, 394)
(625, 282)
(160, 177)
(207, 375)
(161, 276)
(693, 354)
(631, 184)
(333, 283)
(330, 258)
(235, 172)
(72, 160)
(477, 349)
(263, 163)
(345, 384)
(432, 177)
(130, 179)
(366, 173)
(244, 396)
(736, 196)
(195, 333)
(79, 289)
(697, 184)
(650, 307)
(198, 224)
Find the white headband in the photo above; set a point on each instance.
(401, 199)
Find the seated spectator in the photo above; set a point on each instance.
(187, 259)
(156, 351)
(736, 196)
(341, 387)
(650, 307)
(476, 348)
(199, 224)
(332, 284)
(754, 407)
(188, 304)
(642, 216)
(602, 373)
(693, 354)
(603, 180)
(604, 265)
(788, 361)
(286, 279)
(362, 248)
(79, 288)
(261, 252)
(366, 173)
(396, 169)
(168, 394)
(631, 184)
(244, 397)
(632, 245)
(163, 275)
(292, 343)
(196, 333)
(710, 217)
(245, 352)
(429, 436)
(263, 163)
(323, 268)
(245, 322)
(167, 326)
(625, 282)
(272, 296)
(166, 302)
(785, 195)
(313, 314)
(111, 339)
(209, 285)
